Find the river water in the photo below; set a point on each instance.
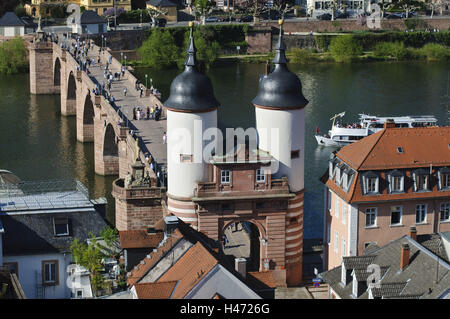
(37, 143)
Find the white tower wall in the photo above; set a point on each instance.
(290, 125)
(185, 136)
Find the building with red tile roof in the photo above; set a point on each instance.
(378, 187)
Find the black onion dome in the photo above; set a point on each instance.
(191, 90)
(281, 88)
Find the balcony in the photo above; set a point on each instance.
(215, 191)
(119, 191)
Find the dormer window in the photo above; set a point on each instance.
(396, 181)
(444, 178)
(347, 178)
(61, 226)
(370, 183)
(421, 180)
(400, 150)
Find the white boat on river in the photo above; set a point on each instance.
(342, 134)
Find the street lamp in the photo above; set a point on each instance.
(121, 57)
(102, 40)
(125, 61)
(146, 76)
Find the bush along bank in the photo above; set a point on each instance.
(397, 46)
(13, 57)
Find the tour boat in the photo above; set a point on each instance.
(342, 134)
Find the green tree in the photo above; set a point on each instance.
(13, 56)
(203, 8)
(109, 235)
(345, 48)
(159, 50)
(208, 50)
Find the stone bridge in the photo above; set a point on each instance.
(53, 70)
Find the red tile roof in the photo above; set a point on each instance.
(378, 152)
(146, 264)
(155, 290)
(421, 146)
(190, 269)
(263, 277)
(139, 239)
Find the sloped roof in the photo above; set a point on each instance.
(155, 290)
(378, 153)
(261, 280)
(91, 17)
(431, 242)
(190, 269)
(422, 146)
(34, 233)
(140, 239)
(10, 19)
(146, 264)
(418, 276)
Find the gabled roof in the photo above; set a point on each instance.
(34, 233)
(418, 277)
(10, 19)
(377, 154)
(422, 146)
(91, 17)
(195, 264)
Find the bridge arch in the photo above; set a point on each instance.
(256, 233)
(57, 73)
(110, 147)
(71, 87)
(88, 110)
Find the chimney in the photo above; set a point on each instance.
(404, 256)
(413, 232)
(389, 123)
(170, 224)
(240, 264)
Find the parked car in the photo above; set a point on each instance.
(245, 19)
(342, 15)
(161, 22)
(393, 16)
(227, 19)
(212, 19)
(325, 16)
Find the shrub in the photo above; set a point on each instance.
(395, 50)
(298, 55)
(435, 52)
(13, 56)
(345, 48)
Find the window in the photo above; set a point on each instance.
(446, 180)
(343, 247)
(260, 176)
(186, 158)
(79, 293)
(295, 154)
(336, 209)
(369, 243)
(61, 226)
(50, 274)
(344, 213)
(421, 213)
(372, 184)
(397, 184)
(421, 182)
(371, 217)
(445, 212)
(328, 234)
(329, 199)
(225, 177)
(396, 215)
(336, 241)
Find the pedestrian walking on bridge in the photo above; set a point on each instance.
(125, 91)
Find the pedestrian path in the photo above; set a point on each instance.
(150, 132)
